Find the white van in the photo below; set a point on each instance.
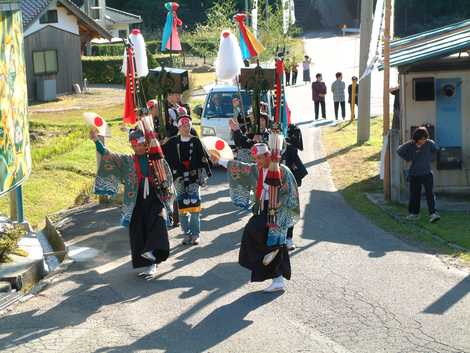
(218, 109)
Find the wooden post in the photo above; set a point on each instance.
(13, 208)
(363, 118)
(386, 96)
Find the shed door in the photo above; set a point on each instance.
(449, 115)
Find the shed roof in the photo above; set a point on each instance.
(113, 16)
(436, 43)
(33, 9)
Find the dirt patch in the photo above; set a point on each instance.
(96, 97)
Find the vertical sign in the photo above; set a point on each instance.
(15, 154)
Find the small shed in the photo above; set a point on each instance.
(55, 34)
(434, 77)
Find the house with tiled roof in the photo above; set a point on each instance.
(55, 35)
(117, 22)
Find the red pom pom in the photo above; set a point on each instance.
(226, 34)
(135, 31)
(98, 121)
(219, 145)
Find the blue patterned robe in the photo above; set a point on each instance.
(243, 178)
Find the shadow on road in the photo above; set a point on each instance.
(449, 299)
(219, 325)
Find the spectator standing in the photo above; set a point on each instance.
(419, 153)
(295, 72)
(356, 95)
(318, 96)
(287, 69)
(306, 67)
(339, 98)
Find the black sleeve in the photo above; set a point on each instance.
(241, 140)
(404, 151)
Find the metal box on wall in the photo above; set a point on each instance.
(449, 158)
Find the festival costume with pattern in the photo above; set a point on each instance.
(142, 213)
(258, 239)
(189, 165)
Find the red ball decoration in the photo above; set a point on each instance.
(219, 145)
(98, 121)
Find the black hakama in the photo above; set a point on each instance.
(147, 230)
(253, 249)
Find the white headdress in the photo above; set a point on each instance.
(140, 54)
(229, 58)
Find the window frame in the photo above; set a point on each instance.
(46, 72)
(46, 15)
(417, 80)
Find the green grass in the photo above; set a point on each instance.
(355, 170)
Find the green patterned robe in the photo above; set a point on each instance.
(117, 168)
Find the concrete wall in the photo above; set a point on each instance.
(418, 113)
(114, 29)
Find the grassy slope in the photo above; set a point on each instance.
(63, 165)
(355, 172)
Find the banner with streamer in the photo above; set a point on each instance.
(249, 45)
(170, 39)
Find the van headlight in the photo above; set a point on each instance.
(207, 131)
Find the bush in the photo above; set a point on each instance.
(9, 238)
(107, 69)
(103, 69)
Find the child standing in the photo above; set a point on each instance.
(420, 152)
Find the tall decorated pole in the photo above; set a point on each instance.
(135, 67)
(251, 48)
(276, 141)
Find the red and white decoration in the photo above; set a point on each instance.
(218, 147)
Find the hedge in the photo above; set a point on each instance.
(107, 69)
(115, 49)
(153, 46)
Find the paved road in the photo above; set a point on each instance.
(355, 288)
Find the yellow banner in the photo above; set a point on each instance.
(15, 153)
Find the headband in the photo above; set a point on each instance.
(184, 120)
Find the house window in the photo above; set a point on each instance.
(423, 89)
(95, 10)
(45, 62)
(122, 34)
(49, 17)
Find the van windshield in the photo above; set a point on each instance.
(220, 104)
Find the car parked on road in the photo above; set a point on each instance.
(218, 109)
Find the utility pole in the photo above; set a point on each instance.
(267, 11)
(363, 122)
(386, 98)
